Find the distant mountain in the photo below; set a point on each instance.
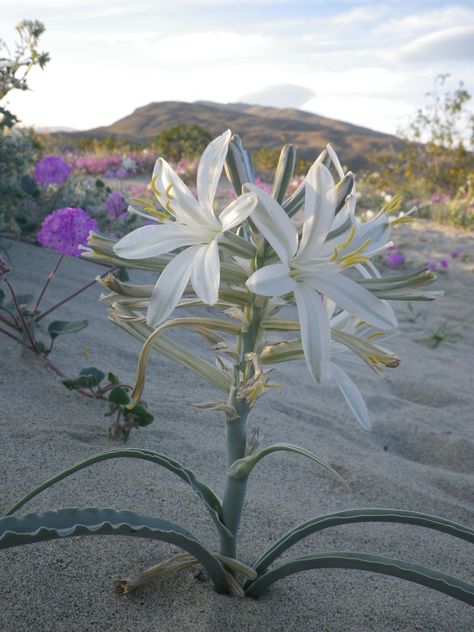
(257, 125)
(54, 129)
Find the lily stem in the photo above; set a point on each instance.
(234, 490)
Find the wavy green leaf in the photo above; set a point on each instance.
(208, 496)
(353, 516)
(70, 522)
(240, 469)
(374, 563)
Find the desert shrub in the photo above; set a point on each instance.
(19, 150)
(181, 140)
(437, 158)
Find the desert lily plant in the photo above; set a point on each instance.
(258, 256)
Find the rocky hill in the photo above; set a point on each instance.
(257, 125)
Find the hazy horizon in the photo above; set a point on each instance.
(360, 62)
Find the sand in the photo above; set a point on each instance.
(419, 456)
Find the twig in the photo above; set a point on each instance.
(22, 318)
(7, 333)
(48, 281)
(73, 295)
(58, 371)
(7, 321)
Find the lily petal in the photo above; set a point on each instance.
(356, 299)
(319, 209)
(206, 273)
(175, 196)
(154, 240)
(209, 171)
(170, 286)
(272, 280)
(352, 396)
(315, 332)
(335, 160)
(238, 211)
(274, 224)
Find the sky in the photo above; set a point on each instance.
(369, 63)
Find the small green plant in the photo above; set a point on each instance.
(22, 318)
(442, 333)
(125, 417)
(250, 261)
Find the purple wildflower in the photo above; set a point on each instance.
(115, 206)
(431, 265)
(66, 229)
(444, 264)
(455, 254)
(52, 170)
(394, 259)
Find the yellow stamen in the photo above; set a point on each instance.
(153, 186)
(404, 219)
(352, 261)
(376, 334)
(393, 206)
(344, 244)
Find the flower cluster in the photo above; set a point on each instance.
(65, 230)
(393, 258)
(114, 165)
(115, 206)
(256, 256)
(51, 170)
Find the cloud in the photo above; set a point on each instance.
(283, 95)
(453, 44)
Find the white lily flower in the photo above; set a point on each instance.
(196, 228)
(309, 271)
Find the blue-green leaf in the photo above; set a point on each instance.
(365, 562)
(352, 516)
(208, 496)
(70, 522)
(241, 468)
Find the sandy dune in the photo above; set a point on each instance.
(419, 456)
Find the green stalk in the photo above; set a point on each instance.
(234, 490)
(236, 429)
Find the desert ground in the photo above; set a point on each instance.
(419, 456)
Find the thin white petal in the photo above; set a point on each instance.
(238, 211)
(319, 209)
(352, 396)
(356, 299)
(170, 287)
(154, 240)
(335, 160)
(315, 332)
(175, 196)
(274, 224)
(210, 169)
(206, 274)
(272, 280)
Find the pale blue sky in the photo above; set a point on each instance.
(365, 62)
